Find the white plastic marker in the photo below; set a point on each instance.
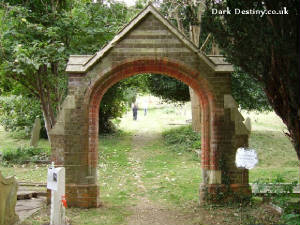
(246, 158)
(56, 183)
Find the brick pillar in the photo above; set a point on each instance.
(212, 184)
(222, 180)
(82, 189)
(70, 148)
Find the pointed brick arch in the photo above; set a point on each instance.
(160, 66)
(148, 44)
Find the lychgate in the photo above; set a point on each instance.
(149, 44)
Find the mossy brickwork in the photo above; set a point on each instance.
(148, 44)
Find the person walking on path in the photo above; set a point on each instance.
(134, 107)
(145, 106)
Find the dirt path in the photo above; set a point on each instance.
(146, 211)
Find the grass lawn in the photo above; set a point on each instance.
(137, 164)
(26, 172)
(276, 154)
(16, 139)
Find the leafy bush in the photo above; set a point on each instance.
(17, 113)
(182, 139)
(23, 155)
(291, 219)
(168, 88)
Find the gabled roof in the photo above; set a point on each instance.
(82, 63)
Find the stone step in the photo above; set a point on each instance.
(25, 208)
(22, 195)
(29, 190)
(269, 188)
(30, 184)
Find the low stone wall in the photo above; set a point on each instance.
(8, 200)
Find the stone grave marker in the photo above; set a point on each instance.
(8, 199)
(35, 133)
(248, 124)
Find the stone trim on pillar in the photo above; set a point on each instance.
(196, 111)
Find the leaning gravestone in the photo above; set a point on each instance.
(35, 134)
(8, 200)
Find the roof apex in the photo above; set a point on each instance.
(88, 63)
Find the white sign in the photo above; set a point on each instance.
(246, 158)
(56, 182)
(52, 179)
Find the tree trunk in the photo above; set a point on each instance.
(293, 127)
(288, 115)
(47, 126)
(282, 82)
(283, 94)
(48, 115)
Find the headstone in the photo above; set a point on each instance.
(35, 133)
(246, 158)
(248, 123)
(56, 183)
(8, 199)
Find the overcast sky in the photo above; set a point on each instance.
(128, 2)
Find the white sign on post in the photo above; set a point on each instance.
(246, 158)
(56, 183)
(52, 179)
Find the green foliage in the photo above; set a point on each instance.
(37, 38)
(182, 139)
(168, 88)
(266, 48)
(291, 218)
(17, 113)
(133, 86)
(33, 53)
(96, 25)
(23, 155)
(118, 98)
(113, 105)
(248, 93)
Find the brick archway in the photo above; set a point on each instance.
(160, 66)
(148, 44)
(163, 66)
